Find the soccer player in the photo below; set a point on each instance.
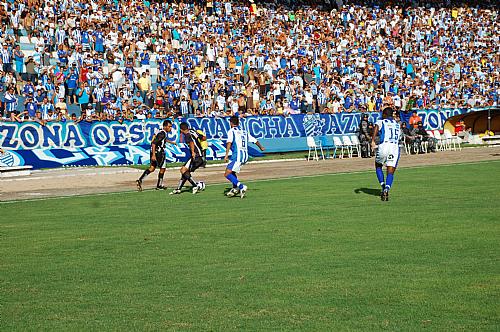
(194, 141)
(237, 142)
(388, 150)
(157, 156)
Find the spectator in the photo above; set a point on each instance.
(303, 56)
(415, 119)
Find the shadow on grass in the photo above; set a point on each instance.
(368, 191)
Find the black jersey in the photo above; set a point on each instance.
(194, 137)
(159, 140)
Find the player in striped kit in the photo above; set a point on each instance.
(237, 142)
(388, 150)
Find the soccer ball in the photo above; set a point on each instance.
(201, 185)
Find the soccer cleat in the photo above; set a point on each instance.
(196, 189)
(233, 192)
(243, 191)
(384, 195)
(175, 192)
(161, 188)
(139, 185)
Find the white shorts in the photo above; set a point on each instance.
(234, 166)
(388, 154)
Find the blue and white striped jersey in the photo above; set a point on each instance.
(98, 94)
(389, 131)
(239, 139)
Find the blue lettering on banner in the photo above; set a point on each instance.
(51, 135)
(136, 134)
(120, 135)
(29, 137)
(73, 136)
(113, 143)
(100, 135)
(8, 135)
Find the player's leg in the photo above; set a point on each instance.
(197, 163)
(380, 174)
(182, 180)
(232, 169)
(163, 167)
(190, 166)
(392, 163)
(230, 175)
(380, 160)
(159, 183)
(390, 178)
(148, 171)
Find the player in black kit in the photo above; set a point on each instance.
(194, 141)
(157, 156)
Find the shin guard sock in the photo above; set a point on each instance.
(380, 175)
(390, 179)
(233, 179)
(160, 180)
(187, 177)
(144, 175)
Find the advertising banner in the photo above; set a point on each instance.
(59, 144)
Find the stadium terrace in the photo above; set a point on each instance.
(125, 60)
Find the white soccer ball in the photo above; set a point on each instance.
(201, 185)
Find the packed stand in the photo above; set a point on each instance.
(124, 60)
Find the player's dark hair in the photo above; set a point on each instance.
(184, 126)
(387, 112)
(167, 123)
(234, 120)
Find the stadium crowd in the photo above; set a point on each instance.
(124, 60)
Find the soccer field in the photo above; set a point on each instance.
(318, 253)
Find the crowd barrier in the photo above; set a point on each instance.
(112, 143)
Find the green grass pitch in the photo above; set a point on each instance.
(315, 253)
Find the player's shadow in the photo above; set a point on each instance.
(368, 191)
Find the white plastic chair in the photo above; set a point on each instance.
(441, 142)
(356, 144)
(349, 145)
(452, 140)
(337, 142)
(312, 145)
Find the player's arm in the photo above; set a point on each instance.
(154, 144)
(262, 148)
(153, 149)
(375, 133)
(228, 148)
(229, 144)
(252, 139)
(191, 147)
